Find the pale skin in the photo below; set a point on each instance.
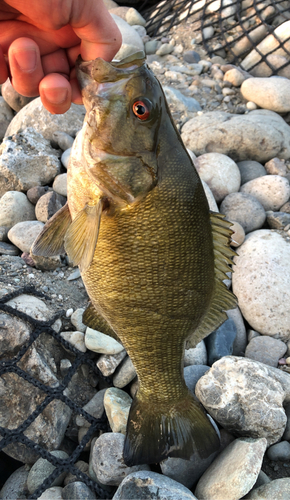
(41, 39)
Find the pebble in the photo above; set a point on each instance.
(151, 485)
(107, 363)
(76, 339)
(61, 140)
(15, 486)
(269, 93)
(276, 167)
(8, 249)
(125, 374)
(65, 157)
(183, 103)
(80, 465)
(234, 472)
(77, 491)
(192, 374)
(195, 355)
(34, 193)
(45, 263)
(76, 319)
(133, 17)
(186, 472)
(164, 49)
(60, 184)
(54, 493)
(220, 173)
(286, 434)
(277, 489)
(74, 275)
(42, 469)
(220, 342)
(117, 405)
(244, 209)
(13, 99)
(191, 56)
(6, 115)
(69, 312)
(94, 407)
(238, 236)
(266, 350)
(262, 259)
(107, 460)
(248, 392)
(24, 233)
(278, 220)
(235, 77)
(14, 208)
(210, 197)
(152, 46)
(3, 233)
(208, 32)
(272, 191)
(250, 170)
(48, 205)
(251, 106)
(240, 341)
(99, 342)
(279, 451)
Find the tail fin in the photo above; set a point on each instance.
(179, 429)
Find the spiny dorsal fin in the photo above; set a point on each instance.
(95, 320)
(81, 237)
(50, 241)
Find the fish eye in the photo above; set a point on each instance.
(142, 109)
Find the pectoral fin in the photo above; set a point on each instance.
(51, 240)
(82, 235)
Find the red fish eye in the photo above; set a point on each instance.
(141, 110)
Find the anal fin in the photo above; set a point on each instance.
(93, 319)
(50, 241)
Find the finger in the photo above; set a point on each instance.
(76, 95)
(56, 62)
(25, 66)
(55, 92)
(3, 67)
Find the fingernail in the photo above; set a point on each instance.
(56, 96)
(26, 59)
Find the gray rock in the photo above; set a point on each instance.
(24, 233)
(42, 469)
(107, 363)
(239, 136)
(272, 191)
(74, 276)
(266, 349)
(65, 157)
(13, 334)
(269, 93)
(286, 434)
(54, 493)
(151, 485)
(94, 407)
(195, 355)
(183, 103)
(15, 207)
(286, 207)
(76, 320)
(250, 170)
(15, 487)
(60, 184)
(34, 193)
(80, 465)
(77, 491)
(45, 263)
(220, 342)
(261, 480)
(6, 115)
(164, 49)
(117, 405)
(243, 397)
(191, 56)
(240, 341)
(125, 374)
(108, 462)
(15, 100)
(76, 339)
(234, 472)
(48, 205)
(26, 160)
(277, 220)
(186, 472)
(36, 116)
(99, 342)
(133, 17)
(279, 451)
(61, 140)
(277, 489)
(192, 374)
(3, 233)
(244, 209)
(7, 249)
(152, 46)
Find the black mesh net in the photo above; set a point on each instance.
(253, 34)
(11, 366)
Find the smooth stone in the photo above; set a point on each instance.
(245, 44)
(276, 167)
(141, 30)
(133, 17)
(151, 485)
(250, 392)
(6, 115)
(191, 56)
(195, 355)
(99, 342)
(117, 404)
(266, 350)
(54, 493)
(130, 38)
(286, 434)
(120, 11)
(251, 106)
(261, 282)
(81, 466)
(14, 208)
(3, 233)
(77, 320)
(151, 46)
(65, 157)
(24, 233)
(48, 205)
(220, 342)
(192, 374)
(260, 135)
(60, 184)
(42, 469)
(15, 487)
(107, 363)
(269, 93)
(164, 49)
(34, 193)
(234, 472)
(107, 459)
(45, 263)
(235, 77)
(33, 306)
(272, 191)
(76, 339)
(238, 236)
(285, 207)
(261, 480)
(279, 451)
(209, 195)
(61, 140)
(250, 170)
(278, 220)
(220, 173)
(186, 472)
(183, 103)
(77, 491)
(74, 276)
(240, 341)
(208, 32)
(8, 249)
(125, 374)
(276, 489)
(15, 100)
(94, 407)
(244, 209)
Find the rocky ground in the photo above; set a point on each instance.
(239, 139)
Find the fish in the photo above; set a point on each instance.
(151, 254)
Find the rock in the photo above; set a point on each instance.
(250, 170)
(251, 106)
(245, 43)
(183, 103)
(131, 41)
(99, 342)
(76, 339)
(240, 341)
(34, 193)
(208, 32)
(164, 49)
(276, 167)
(278, 220)
(108, 462)
(133, 17)
(48, 205)
(262, 479)
(195, 355)
(269, 93)
(278, 489)
(286, 434)
(107, 363)
(45, 263)
(152, 46)
(7, 249)
(76, 319)
(286, 207)
(13, 333)
(74, 276)
(242, 396)
(77, 491)
(117, 405)
(220, 342)
(191, 56)
(24, 233)
(26, 160)
(3, 233)
(54, 493)
(60, 184)
(6, 115)
(263, 259)
(186, 472)
(61, 140)
(234, 472)
(279, 451)
(151, 485)
(80, 465)
(94, 407)
(220, 173)
(14, 208)
(235, 77)
(260, 135)
(42, 121)
(42, 469)
(192, 374)
(65, 157)
(266, 350)
(15, 100)
(244, 209)
(125, 374)
(238, 236)
(15, 486)
(210, 197)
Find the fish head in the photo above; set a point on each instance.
(124, 104)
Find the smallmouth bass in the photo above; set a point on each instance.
(152, 257)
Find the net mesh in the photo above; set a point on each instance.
(17, 435)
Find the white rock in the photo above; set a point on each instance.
(6, 115)
(210, 197)
(117, 404)
(261, 282)
(235, 76)
(60, 184)
(14, 208)
(76, 320)
(24, 233)
(269, 93)
(182, 102)
(65, 157)
(196, 355)
(220, 172)
(272, 191)
(164, 49)
(133, 17)
(54, 493)
(76, 339)
(244, 44)
(99, 342)
(32, 306)
(131, 41)
(208, 32)
(107, 363)
(251, 106)
(238, 236)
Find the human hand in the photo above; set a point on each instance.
(41, 39)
